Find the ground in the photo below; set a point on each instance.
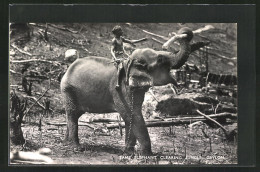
(171, 145)
(182, 145)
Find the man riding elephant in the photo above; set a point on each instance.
(117, 50)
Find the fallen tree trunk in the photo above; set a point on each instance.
(150, 123)
(173, 121)
(100, 120)
(226, 115)
(109, 120)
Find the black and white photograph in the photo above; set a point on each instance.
(123, 94)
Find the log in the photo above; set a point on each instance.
(173, 121)
(109, 120)
(157, 123)
(101, 120)
(150, 123)
(226, 115)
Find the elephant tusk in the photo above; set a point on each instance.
(173, 39)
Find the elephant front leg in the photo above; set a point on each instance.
(130, 140)
(141, 133)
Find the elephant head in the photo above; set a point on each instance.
(147, 67)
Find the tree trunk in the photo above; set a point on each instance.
(16, 133)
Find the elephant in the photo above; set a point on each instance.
(89, 86)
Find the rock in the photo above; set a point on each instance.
(11, 52)
(26, 48)
(44, 151)
(231, 63)
(71, 55)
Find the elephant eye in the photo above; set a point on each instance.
(140, 64)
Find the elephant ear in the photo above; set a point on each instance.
(126, 66)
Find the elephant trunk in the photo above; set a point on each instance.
(182, 56)
(138, 124)
(175, 61)
(184, 37)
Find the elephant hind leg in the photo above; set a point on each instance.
(71, 135)
(72, 115)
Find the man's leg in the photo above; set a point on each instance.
(118, 75)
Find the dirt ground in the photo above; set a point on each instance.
(202, 144)
(171, 145)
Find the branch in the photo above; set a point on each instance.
(62, 28)
(64, 123)
(33, 98)
(13, 72)
(209, 118)
(151, 92)
(158, 41)
(20, 50)
(35, 60)
(160, 36)
(37, 100)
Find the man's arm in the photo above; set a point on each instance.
(127, 41)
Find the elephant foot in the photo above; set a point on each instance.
(129, 151)
(71, 143)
